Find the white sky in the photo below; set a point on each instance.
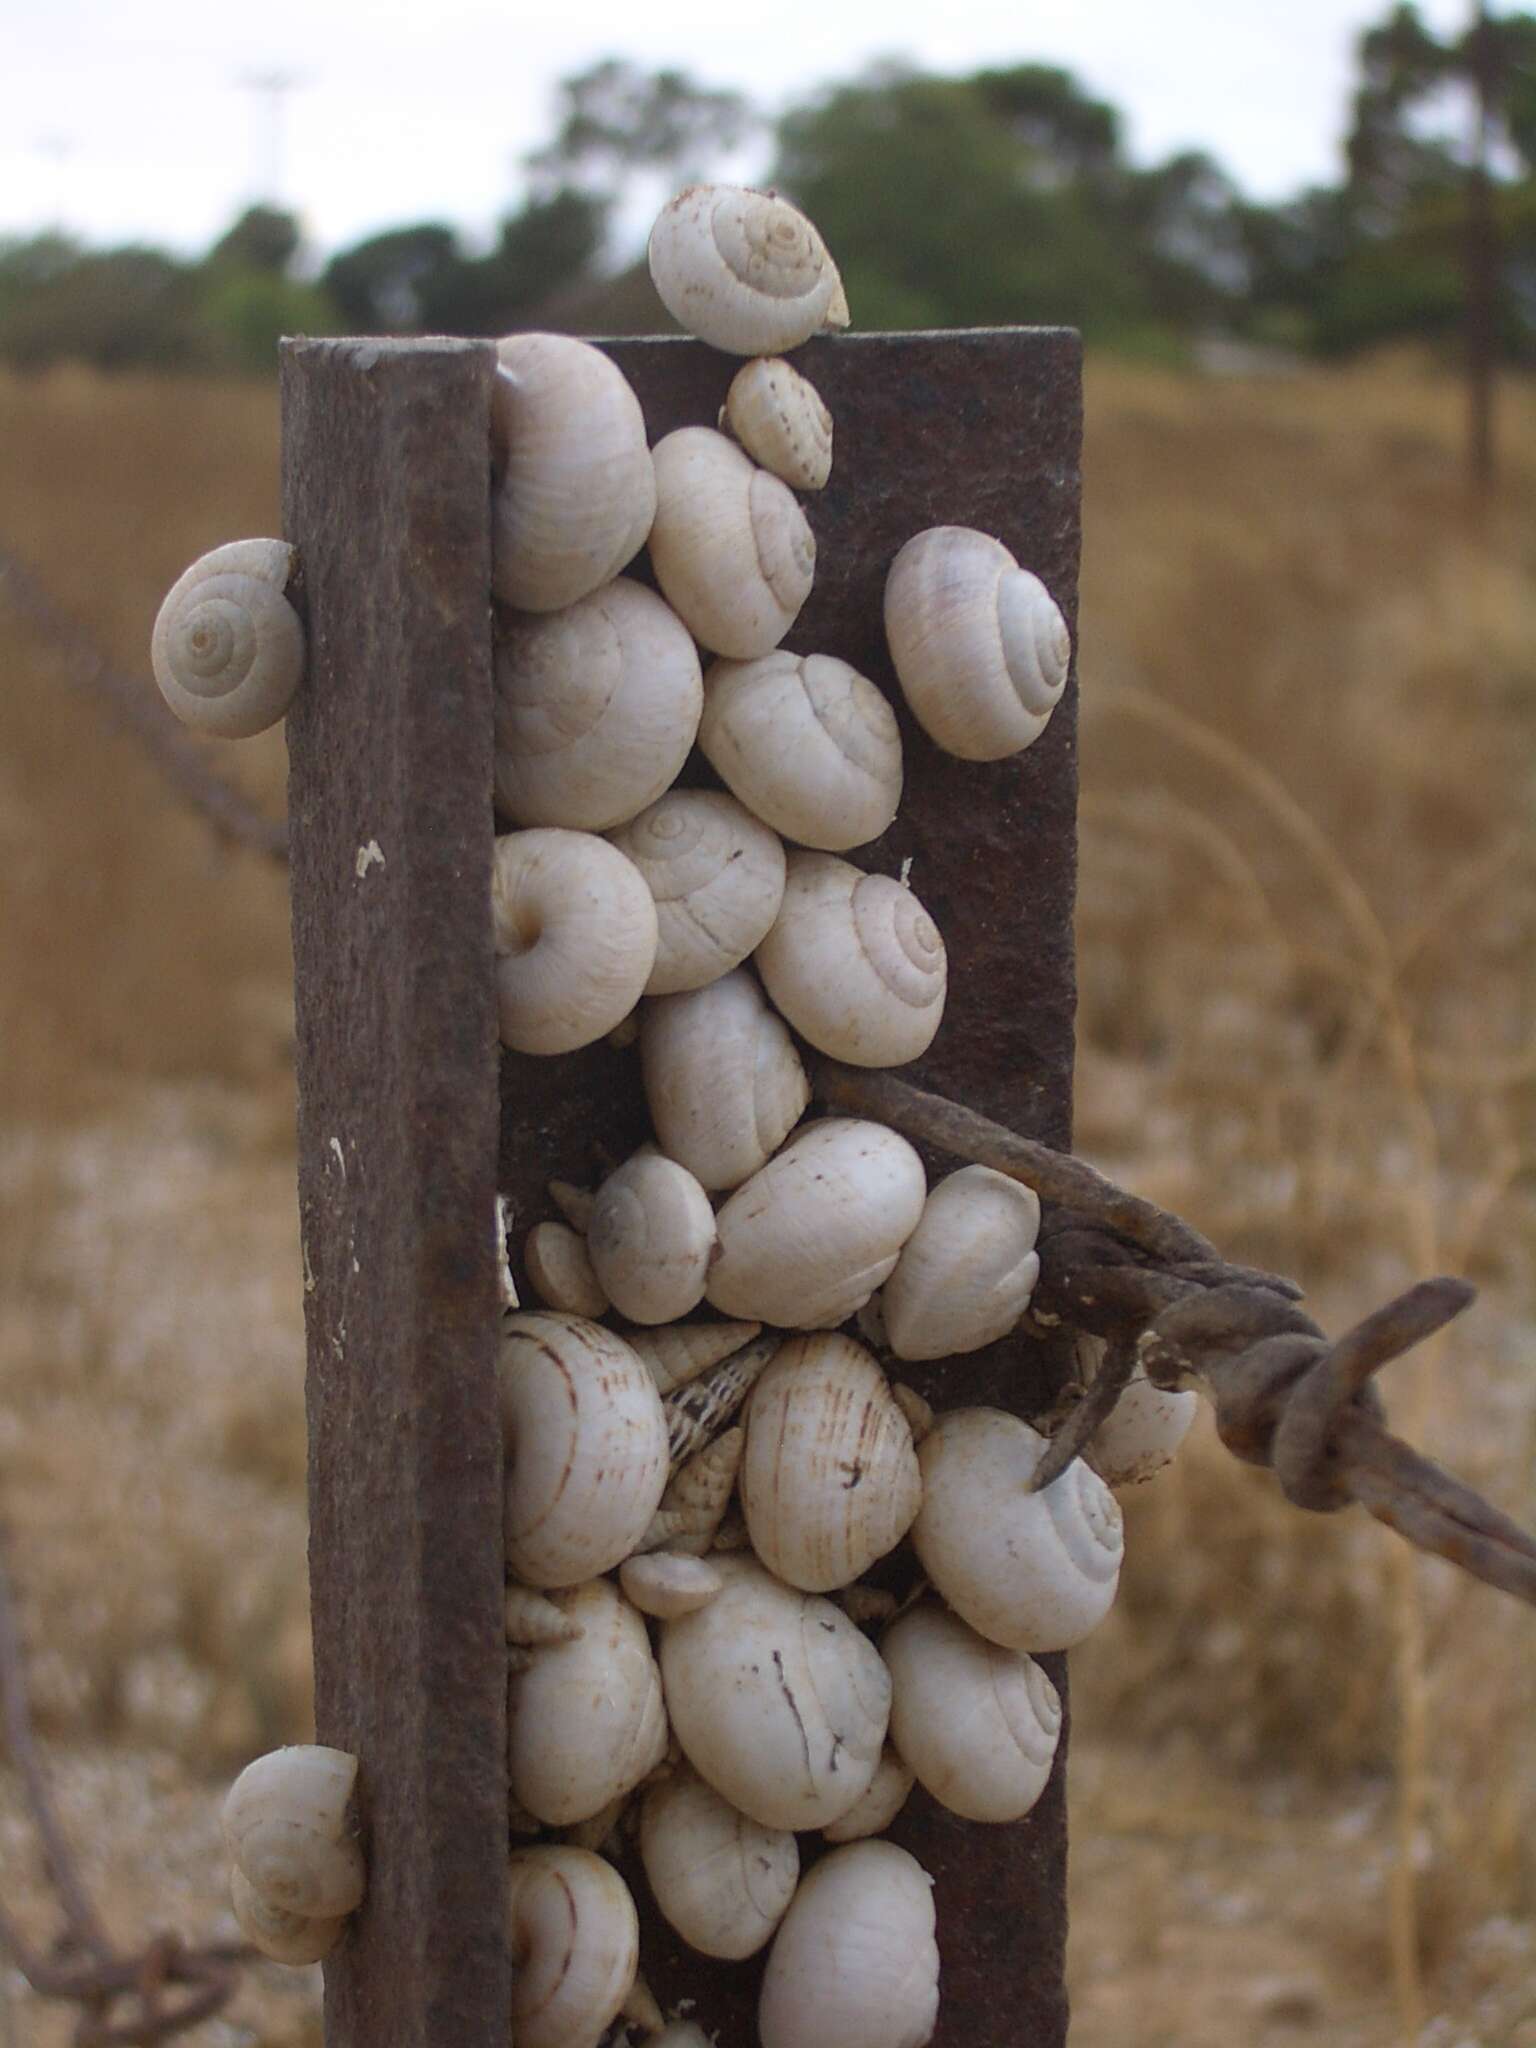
(124, 119)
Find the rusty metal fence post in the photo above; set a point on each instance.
(403, 1141)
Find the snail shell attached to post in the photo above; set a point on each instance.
(744, 270)
(855, 1964)
(228, 647)
(779, 418)
(717, 875)
(731, 548)
(575, 935)
(575, 1940)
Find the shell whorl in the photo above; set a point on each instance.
(228, 647)
(717, 876)
(744, 270)
(779, 418)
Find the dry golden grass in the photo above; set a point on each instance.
(1305, 1787)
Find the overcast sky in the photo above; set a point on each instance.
(126, 119)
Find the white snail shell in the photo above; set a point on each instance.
(743, 270)
(575, 938)
(731, 548)
(576, 493)
(284, 1937)
(560, 1272)
(1141, 1433)
(575, 1939)
(722, 1880)
(665, 1583)
(1029, 1571)
(779, 418)
(855, 963)
(586, 1443)
(855, 1964)
(977, 1723)
(228, 647)
(585, 1721)
(829, 1481)
(285, 1826)
(532, 1617)
(597, 706)
(967, 1272)
(777, 1699)
(812, 1234)
(889, 1791)
(650, 1238)
(807, 743)
(980, 648)
(717, 876)
(680, 1352)
(697, 1496)
(723, 1082)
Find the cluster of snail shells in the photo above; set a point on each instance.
(296, 1869)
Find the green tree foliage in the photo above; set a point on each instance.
(616, 118)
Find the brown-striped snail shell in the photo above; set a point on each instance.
(744, 270)
(228, 647)
(575, 1941)
(731, 548)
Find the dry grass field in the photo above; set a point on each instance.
(1305, 1774)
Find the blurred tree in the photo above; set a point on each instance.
(617, 118)
(263, 238)
(389, 283)
(117, 309)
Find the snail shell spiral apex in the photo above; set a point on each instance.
(744, 270)
(228, 647)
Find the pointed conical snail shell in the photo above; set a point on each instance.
(829, 1481)
(1142, 1432)
(575, 1940)
(285, 1937)
(699, 1412)
(778, 417)
(855, 1964)
(977, 1723)
(1029, 1571)
(228, 647)
(808, 744)
(778, 1701)
(650, 1238)
(560, 1272)
(585, 1721)
(576, 492)
(697, 1496)
(730, 546)
(596, 708)
(575, 938)
(666, 1583)
(531, 1618)
(717, 875)
(810, 1237)
(855, 963)
(889, 1790)
(679, 1353)
(967, 1272)
(723, 1081)
(743, 270)
(722, 1880)
(285, 1826)
(980, 649)
(586, 1447)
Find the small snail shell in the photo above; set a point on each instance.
(980, 648)
(575, 938)
(967, 1272)
(596, 708)
(531, 1618)
(285, 1826)
(586, 1446)
(283, 1936)
(807, 743)
(1141, 1433)
(778, 1701)
(682, 1351)
(576, 493)
(717, 876)
(829, 1481)
(1029, 1571)
(699, 1412)
(889, 1790)
(778, 417)
(723, 1081)
(855, 1964)
(722, 1880)
(228, 647)
(574, 1203)
(650, 1238)
(585, 1721)
(978, 1724)
(575, 1939)
(697, 1496)
(855, 963)
(730, 546)
(666, 1584)
(560, 1271)
(810, 1236)
(743, 270)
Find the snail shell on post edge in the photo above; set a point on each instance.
(779, 418)
(285, 1826)
(743, 270)
(575, 936)
(575, 1939)
(855, 1964)
(283, 1937)
(227, 646)
(967, 1272)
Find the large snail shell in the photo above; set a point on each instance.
(743, 270)
(829, 1481)
(723, 1082)
(585, 1721)
(586, 1442)
(228, 647)
(778, 417)
(855, 963)
(596, 708)
(966, 1273)
(650, 1238)
(978, 1724)
(979, 646)
(575, 1939)
(722, 1880)
(285, 1826)
(285, 1937)
(855, 1963)
(718, 879)
(811, 1236)
(1141, 1433)
(807, 743)
(575, 938)
(577, 492)
(730, 546)
(1029, 1571)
